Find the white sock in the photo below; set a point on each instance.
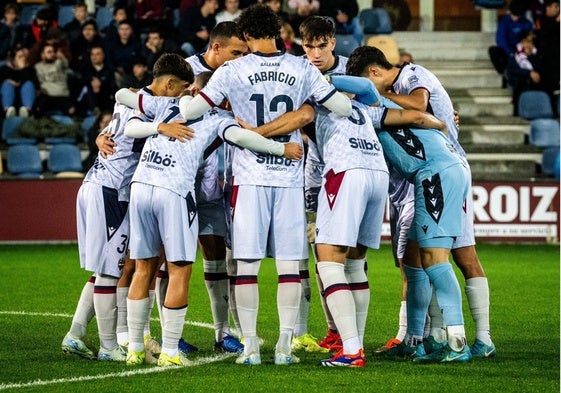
(162, 281)
(341, 303)
(138, 311)
(122, 328)
(231, 269)
(437, 325)
(84, 310)
(105, 305)
(152, 297)
(358, 282)
(289, 291)
(173, 329)
(328, 317)
(456, 337)
(477, 293)
(247, 298)
(402, 321)
(301, 326)
(218, 288)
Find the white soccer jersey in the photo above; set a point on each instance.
(173, 165)
(412, 77)
(116, 170)
(198, 64)
(313, 167)
(260, 88)
(348, 143)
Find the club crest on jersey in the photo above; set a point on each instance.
(154, 157)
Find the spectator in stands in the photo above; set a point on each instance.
(507, 37)
(156, 45)
(121, 53)
(548, 46)
(101, 121)
(230, 12)
(287, 35)
(398, 11)
(18, 80)
(110, 33)
(184, 5)
(301, 10)
(44, 20)
(11, 32)
(147, 14)
(141, 75)
(524, 69)
(98, 81)
(195, 26)
(82, 45)
(52, 73)
(345, 15)
(73, 29)
(276, 6)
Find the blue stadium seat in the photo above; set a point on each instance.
(24, 161)
(544, 132)
(103, 17)
(375, 21)
(65, 158)
(65, 14)
(535, 104)
(28, 13)
(550, 161)
(345, 44)
(9, 127)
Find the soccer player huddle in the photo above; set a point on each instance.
(154, 195)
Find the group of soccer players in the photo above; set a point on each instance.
(160, 178)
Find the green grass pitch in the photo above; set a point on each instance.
(40, 286)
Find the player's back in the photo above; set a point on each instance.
(348, 142)
(116, 170)
(414, 152)
(414, 76)
(168, 163)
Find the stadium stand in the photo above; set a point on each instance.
(65, 161)
(544, 132)
(535, 104)
(24, 161)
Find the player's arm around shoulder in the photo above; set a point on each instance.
(400, 117)
(284, 124)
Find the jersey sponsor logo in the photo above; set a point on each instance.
(274, 163)
(98, 165)
(367, 147)
(154, 160)
(271, 76)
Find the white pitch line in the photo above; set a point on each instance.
(63, 315)
(142, 371)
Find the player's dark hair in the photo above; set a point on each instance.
(259, 21)
(365, 56)
(223, 31)
(317, 28)
(202, 79)
(174, 65)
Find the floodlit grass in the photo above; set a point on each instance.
(43, 283)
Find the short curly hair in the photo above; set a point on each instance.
(259, 22)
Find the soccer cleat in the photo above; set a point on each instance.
(152, 345)
(253, 359)
(446, 355)
(167, 361)
(186, 348)
(480, 350)
(135, 358)
(392, 343)
(342, 360)
(402, 350)
(332, 341)
(431, 345)
(116, 354)
(283, 358)
(73, 345)
(307, 342)
(229, 344)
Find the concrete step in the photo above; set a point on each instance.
(468, 78)
(494, 122)
(445, 45)
(482, 136)
(483, 106)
